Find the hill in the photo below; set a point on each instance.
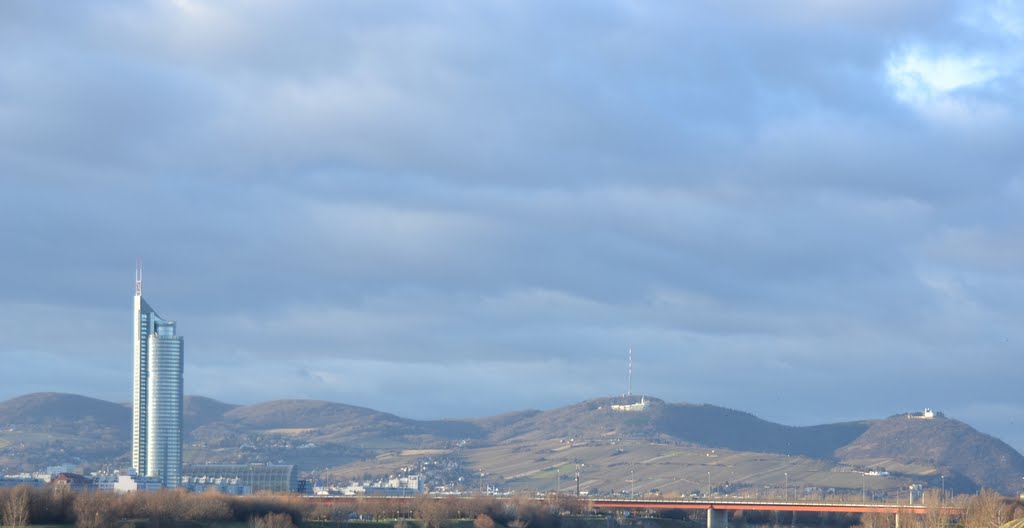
(58, 412)
(37, 430)
(199, 411)
(949, 446)
(668, 446)
(704, 425)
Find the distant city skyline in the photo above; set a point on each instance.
(806, 210)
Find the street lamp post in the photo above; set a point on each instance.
(786, 492)
(558, 481)
(632, 484)
(943, 501)
(709, 484)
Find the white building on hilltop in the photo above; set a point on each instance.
(631, 407)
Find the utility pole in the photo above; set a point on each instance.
(709, 484)
(787, 485)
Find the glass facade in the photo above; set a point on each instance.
(259, 477)
(158, 396)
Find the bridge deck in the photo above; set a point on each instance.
(643, 504)
(663, 504)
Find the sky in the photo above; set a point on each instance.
(808, 210)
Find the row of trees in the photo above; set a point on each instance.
(433, 512)
(24, 505)
(986, 509)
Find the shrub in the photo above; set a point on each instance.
(272, 520)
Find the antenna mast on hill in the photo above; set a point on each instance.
(629, 375)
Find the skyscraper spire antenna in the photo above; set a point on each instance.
(138, 276)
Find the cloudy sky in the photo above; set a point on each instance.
(810, 210)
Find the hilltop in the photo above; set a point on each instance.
(668, 446)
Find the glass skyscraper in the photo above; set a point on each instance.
(157, 397)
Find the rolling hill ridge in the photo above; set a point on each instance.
(670, 443)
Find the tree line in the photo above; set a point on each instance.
(24, 505)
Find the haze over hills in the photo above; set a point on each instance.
(671, 447)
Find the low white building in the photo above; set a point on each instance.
(226, 485)
(125, 483)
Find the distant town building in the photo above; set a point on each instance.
(13, 481)
(157, 397)
(125, 483)
(228, 486)
(391, 487)
(63, 468)
(71, 482)
(277, 478)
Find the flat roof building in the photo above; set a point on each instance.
(276, 478)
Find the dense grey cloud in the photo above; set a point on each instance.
(809, 210)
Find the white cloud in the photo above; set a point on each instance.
(953, 77)
(919, 76)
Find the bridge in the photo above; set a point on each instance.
(718, 510)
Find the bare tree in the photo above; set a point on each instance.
(204, 507)
(272, 520)
(378, 508)
(330, 512)
(432, 512)
(987, 509)
(935, 516)
(95, 510)
(877, 520)
(16, 508)
(483, 521)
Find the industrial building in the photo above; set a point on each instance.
(255, 478)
